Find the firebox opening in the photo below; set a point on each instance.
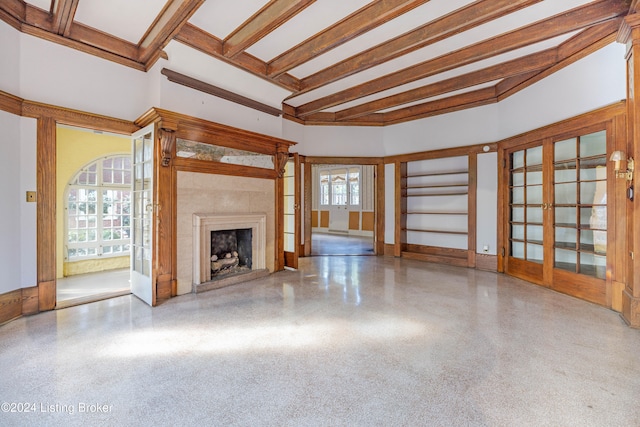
(231, 252)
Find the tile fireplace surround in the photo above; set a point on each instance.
(205, 223)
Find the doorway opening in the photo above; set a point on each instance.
(343, 213)
(93, 215)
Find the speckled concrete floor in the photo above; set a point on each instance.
(353, 341)
(338, 244)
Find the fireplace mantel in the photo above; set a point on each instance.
(205, 223)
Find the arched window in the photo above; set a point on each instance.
(98, 209)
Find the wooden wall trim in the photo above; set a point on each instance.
(325, 160)
(30, 300)
(205, 166)
(219, 92)
(307, 186)
(10, 305)
(11, 103)
(442, 153)
(380, 196)
(208, 132)
(78, 118)
(472, 205)
(486, 262)
(600, 115)
(46, 212)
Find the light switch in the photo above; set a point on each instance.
(31, 196)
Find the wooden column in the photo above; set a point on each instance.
(166, 286)
(46, 213)
(630, 34)
(401, 209)
(281, 157)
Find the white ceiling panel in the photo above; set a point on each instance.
(486, 31)
(126, 19)
(192, 63)
(221, 17)
(396, 27)
(251, 73)
(518, 53)
(310, 21)
(42, 4)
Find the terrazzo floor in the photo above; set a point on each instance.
(83, 288)
(338, 244)
(344, 341)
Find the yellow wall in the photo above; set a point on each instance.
(75, 149)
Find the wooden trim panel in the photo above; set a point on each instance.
(486, 262)
(10, 305)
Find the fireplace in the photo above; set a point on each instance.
(230, 252)
(227, 249)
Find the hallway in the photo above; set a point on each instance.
(344, 341)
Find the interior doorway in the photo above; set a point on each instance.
(93, 191)
(343, 209)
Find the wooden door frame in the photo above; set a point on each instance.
(292, 260)
(48, 117)
(379, 194)
(613, 119)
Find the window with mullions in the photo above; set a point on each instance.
(340, 187)
(98, 209)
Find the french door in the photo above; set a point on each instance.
(292, 223)
(142, 216)
(557, 211)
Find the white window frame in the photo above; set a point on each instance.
(330, 172)
(97, 247)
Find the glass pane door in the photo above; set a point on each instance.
(580, 204)
(525, 204)
(291, 212)
(142, 216)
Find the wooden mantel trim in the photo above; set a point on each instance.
(189, 126)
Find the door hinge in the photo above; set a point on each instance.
(503, 251)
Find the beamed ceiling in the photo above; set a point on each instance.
(345, 62)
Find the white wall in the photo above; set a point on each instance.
(467, 127)
(12, 203)
(341, 141)
(487, 203)
(58, 75)
(593, 82)
(188, 101)
(390, 203)
(28, 222)
(9, 66)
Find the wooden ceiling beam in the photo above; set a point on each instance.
(460, 20)
(572, 50)
(572, 20)
(167, 24)
(367, 18)
(267, 19)
(532, 62)
(199, 39)
(463, 101)
(13, 12)
(63, 16)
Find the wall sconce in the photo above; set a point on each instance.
(618, 157)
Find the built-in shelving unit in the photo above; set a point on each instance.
(435, 221)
